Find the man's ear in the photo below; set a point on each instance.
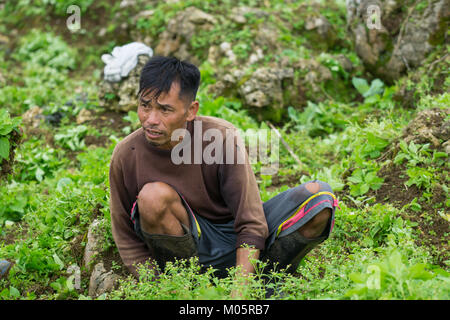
(192, 110)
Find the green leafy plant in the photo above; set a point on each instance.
(317, 119)
(225, 109)
(363, 180)
(392, 278)
(334, 65)
(35, 161)
(133, 118)
(414, 205)
(207, 74)
(7, 125)
(72, 138)
(26, 9)
(413, 154)
(64, 288)
(13, 205)
(46, 49)
(373, 146)
(375, 94)
(328, 174)
(439, 157)
(376, 87)
(421, 177)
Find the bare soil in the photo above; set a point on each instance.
(432, 229)
(279, 181)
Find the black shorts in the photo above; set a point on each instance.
(285, 213)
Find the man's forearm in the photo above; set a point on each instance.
(244, 257)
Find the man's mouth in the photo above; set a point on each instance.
(153, 134)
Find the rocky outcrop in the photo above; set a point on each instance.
(264, 89)
(312, 76)
(93, 245)
(320, 31)
(391, 37)
(101, 281)
(84, 115)
(32, 117)
(240, 14)
(268, 91)
(175, 40)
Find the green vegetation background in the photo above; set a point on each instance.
(59, 184)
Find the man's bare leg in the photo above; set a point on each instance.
(161, 210)
(165, 223)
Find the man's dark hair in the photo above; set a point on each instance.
(159, 73)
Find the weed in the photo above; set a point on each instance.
(421, 177)
(364, 180)
(392, 278)
(72, 138)
(413, 154)
(7, 125)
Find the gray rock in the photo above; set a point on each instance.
(213, 55)
(127, 3)
(261, 89)
(225, 48)
(267, 36)
(446, 146)
(239, 14)
(93, 246)
(264, 87)
(32, 117)
(101, 281)
(269, 90)
(402, 37)
(321, 30)
(176, 37)
(345, 62)
(147, 14)
(443, 132)
(84, 115)
(315, 75)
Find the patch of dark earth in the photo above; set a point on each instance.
(433, 230)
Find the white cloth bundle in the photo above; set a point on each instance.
(123, 59)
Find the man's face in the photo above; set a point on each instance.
(159, 118)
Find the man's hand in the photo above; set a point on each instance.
(243, 257)
(244, 265)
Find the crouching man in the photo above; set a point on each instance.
(162, 210)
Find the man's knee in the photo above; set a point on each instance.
(321, 219)
(316, 226)
(318, 186)
(312, 187)
(154, 199)
(302, 192)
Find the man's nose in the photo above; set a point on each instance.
(152, 118)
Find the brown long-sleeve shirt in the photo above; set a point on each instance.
(218, 192)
